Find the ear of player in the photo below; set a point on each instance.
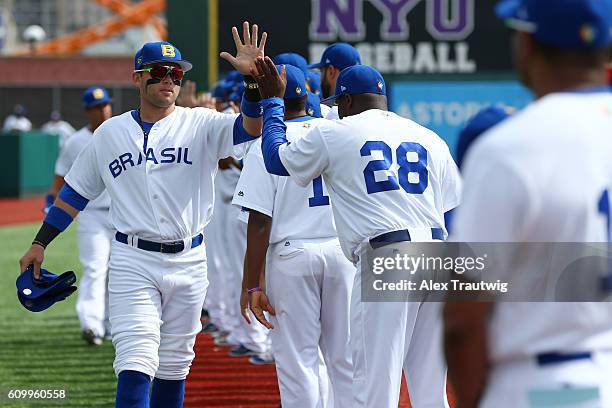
(37, 295)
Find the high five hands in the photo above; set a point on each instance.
(247, 51)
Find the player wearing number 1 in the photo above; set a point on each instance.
(389, 180)
(308, 280)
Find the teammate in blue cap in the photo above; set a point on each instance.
(335, 58)
(389, 180)
(158, 164)
(542, 175)
(94, 231)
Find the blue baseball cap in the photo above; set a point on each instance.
(339, 55)
(296, 82)
(291, 58)
(359, 79)
(313, 105)
(222, 90)
(234, 77)
(484, 120)
(94, 96)
(570, 24)
(37, 295)
(160, 51)
(313, 80)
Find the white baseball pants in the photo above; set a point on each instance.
(155, 305)
(577, 384)
(94, 236)
(309, 283)
(387, 337)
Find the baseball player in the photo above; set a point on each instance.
(158, 165)
(57, 126)
(335, 58)
(401, 197)
(521, 187)
(308, 280)
(94, 231)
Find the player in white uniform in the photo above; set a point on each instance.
(308, 280)
(57, 126)
(158, 165)
(335, 58)
(94, 231)
(543, 175)
(389, 180)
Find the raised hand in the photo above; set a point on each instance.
(271, 83)
(247, 51)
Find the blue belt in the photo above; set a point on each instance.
(555, 358)
(400, 236)
(163, 247)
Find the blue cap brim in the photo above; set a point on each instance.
(508, 11)
(331, 98)
(98, 103)
(315, 66)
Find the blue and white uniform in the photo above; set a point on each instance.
(161, 189)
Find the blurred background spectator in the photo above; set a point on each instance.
(17, 121)
(57, 126)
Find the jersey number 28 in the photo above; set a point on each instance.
(405, 167)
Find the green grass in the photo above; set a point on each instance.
(44, 350)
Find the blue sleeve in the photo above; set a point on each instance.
(448, 220)
(240, 134)
(71, 197)
(274, 135)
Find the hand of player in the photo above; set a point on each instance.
(34, 256)
(206, 100)
(246, 52)
(244, 305)
(271, 82)
(259, 303)
(187, 98)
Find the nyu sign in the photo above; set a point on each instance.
(343, 19)
(448, 22)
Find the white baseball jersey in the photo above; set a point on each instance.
(383, 172)
(67, 157)
(297, 212)
(542, 175)
(61, 128)
(161, 189)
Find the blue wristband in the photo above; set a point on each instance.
(251, 109)
(58, 218)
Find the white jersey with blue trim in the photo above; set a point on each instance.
(68, 155)
(543, 175)
(383, 172)
(297, 212)
(161, 188)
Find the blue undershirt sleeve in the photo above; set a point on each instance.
(71, 197)
(274, 135)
